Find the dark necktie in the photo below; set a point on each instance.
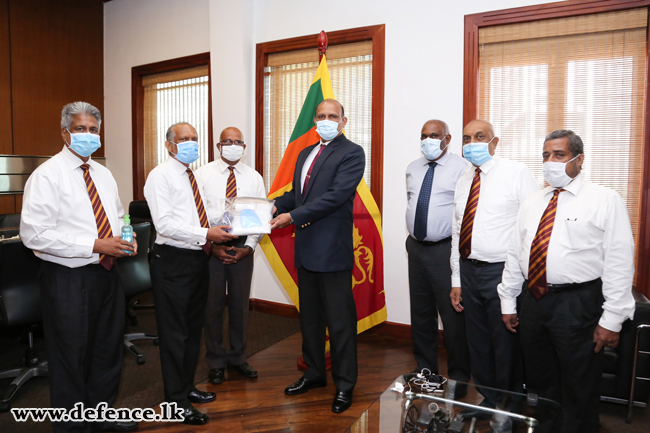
(422, 209)
(465, 243)
(231, 186)
(311, 167)
(537, 283)
(104, 229)
(203, 216)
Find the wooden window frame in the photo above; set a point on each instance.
(376, 34)
(561, 10)
(137, 110)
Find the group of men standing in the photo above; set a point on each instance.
(530, 284)
(72, 219)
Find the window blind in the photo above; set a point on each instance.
(172, 97)
(286, 83)
(583, 73)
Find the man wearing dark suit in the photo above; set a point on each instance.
(320, 205)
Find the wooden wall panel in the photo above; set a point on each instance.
(19, 203)
(57, 57)
(7, 204)
(5, 81)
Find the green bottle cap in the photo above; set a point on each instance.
(127, 219)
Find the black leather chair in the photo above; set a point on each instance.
(10, 220)
(626, 375)
(136, 279)
(20, 305)
(140, 213)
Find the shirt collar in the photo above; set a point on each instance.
(73, 161)
(573, 187)
(443, 159)
(223, 166)
(176, 165)
(487, 166)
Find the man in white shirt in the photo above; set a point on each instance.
(572, 254)
(430, 186)
(179, 267)
(487, 200)
(231, 264)
(72, 218)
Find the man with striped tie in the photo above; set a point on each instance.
(231, 264)
(72, 217)
(572, 255)
(486, 203)
(179, 267)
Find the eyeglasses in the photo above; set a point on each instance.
(230, 142)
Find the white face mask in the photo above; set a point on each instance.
(555, 173)
(233, 152)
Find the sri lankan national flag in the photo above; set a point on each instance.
(368, 271)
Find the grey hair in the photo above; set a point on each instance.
(171, 132)
(575, 142)
(79, 107)
(445, 127)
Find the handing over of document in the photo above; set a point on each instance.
(247, 215)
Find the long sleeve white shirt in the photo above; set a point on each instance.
(504, 187)
(57, 220)
(591, 239)
(173, 210)
(449, 168)
(214, 177)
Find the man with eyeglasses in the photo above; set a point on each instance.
(430, 186)
(231, 264)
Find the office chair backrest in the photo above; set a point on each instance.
(140, 213)
(20, 296)
(135, 269)
(9, 220)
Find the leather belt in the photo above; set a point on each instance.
(429, 243)
(559, 288)
(478, 263)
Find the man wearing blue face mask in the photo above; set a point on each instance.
(572, 255)
(320, 205)
(179, 267)
(231, 264)
(72, 217)
(488, 197)
(430, 186)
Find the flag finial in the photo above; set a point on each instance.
(322, 45)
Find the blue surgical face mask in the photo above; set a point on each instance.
(84, 143)
(430, 148)
(188, 151)
(327, 129)
(477, 153)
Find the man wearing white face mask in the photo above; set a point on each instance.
(487, 199)
(430, 186)
(72, 217)
(231, 264)
(179, 267)
(572, 255)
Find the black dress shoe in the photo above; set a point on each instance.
(303, 385)
(217, 375)
(119, 426)
(194, 417)
(342, 401)
(246, 370)
(201, 396)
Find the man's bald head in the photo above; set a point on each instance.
(231, 131)
(231, 145)
(332, 101)
(332, 110)
(435, 122)
(480, 131)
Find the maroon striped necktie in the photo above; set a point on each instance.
(203, 216)
(104, 229)
(537, 283)
(465, 243)
(231, 186)
(311, 167)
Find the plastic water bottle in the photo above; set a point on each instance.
(127, 231)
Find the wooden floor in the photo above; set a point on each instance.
(259, 405)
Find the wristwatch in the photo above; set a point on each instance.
(250, 249)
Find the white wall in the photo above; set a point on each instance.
(424, 80)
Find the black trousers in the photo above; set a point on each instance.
(495, 354)
(557, 341)
(83, 319)
(326, 300)
(236, 280)
(180, 287)
(429, 288)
